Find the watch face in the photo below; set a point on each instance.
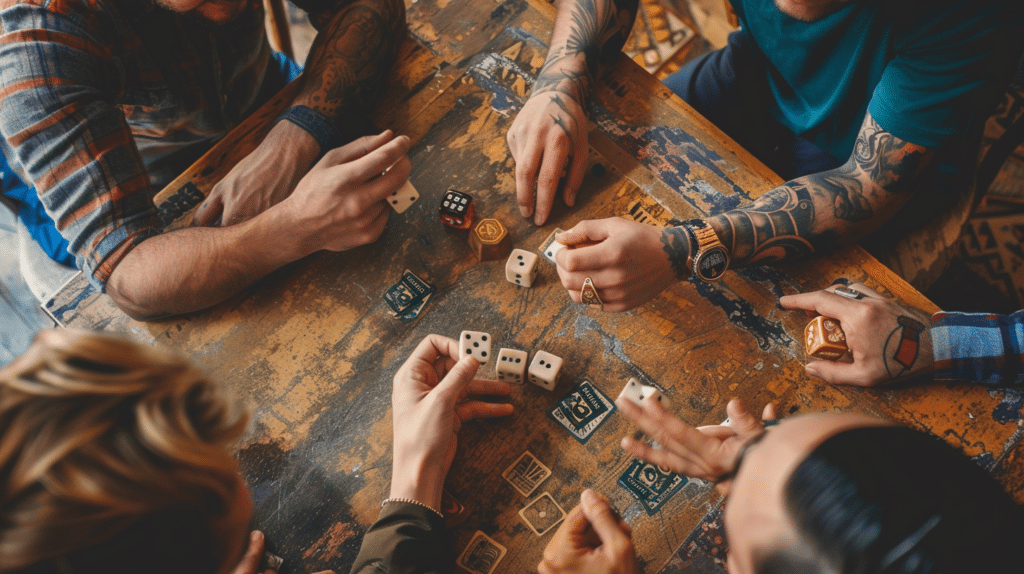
(711, 264)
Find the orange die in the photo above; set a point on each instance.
(824, 339)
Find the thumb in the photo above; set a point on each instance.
(604, 521)
(253, 554)
(589, 230)
(455, 381)
(833, 373)
(742, 420)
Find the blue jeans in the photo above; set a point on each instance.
(728, 87)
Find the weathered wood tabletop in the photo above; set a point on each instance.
(312, 347)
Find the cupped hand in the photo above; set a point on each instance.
(887, 342)
(627, 262)
(340, 203)
(591, 540)
(548, 141)
(434, 393)
(707, 452)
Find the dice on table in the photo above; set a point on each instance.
(489, 240)
(521, 267)
(824, 338)
(456, 209)
(512, 365)
(477, 344)
(637, 393)
(544, 370)
(403, 197)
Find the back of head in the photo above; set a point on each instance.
(112, 453)
(893, 500)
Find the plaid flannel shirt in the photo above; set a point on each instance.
(103, 102)
(979, 347)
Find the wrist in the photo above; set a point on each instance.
(418, 481)
(323, 133)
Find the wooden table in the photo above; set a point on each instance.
(313, 347)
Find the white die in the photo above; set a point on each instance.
(521, 267)
(636, 393)
(403, 197)
(511, 365)
(544, 370)
(476, 343)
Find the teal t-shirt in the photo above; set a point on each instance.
(925, 70)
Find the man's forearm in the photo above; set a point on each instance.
(351, 56)
(584, 32)
(194, 268)
(820, 211)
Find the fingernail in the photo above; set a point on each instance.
(590, 498)
(524, 212)
(256, 536)
(778, 304)
(812, 371)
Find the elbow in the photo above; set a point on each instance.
(136, 307)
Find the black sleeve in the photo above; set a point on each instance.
(406, 539)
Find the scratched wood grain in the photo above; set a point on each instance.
(312, 347)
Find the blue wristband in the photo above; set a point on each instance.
(322, 130)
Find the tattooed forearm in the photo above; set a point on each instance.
(891, 163)
(776, 226)
(818, 211)
(591, 29)
(351, 56)
(676, 243)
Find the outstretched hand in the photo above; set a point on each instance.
(887, 342)
(707, 453)
(591, 540)
(434, 393)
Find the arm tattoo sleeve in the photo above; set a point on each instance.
(676, 242)
(817, 212)
(351, 56)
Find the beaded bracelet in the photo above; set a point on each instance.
(411, 501)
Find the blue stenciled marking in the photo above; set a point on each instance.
(1008, 409)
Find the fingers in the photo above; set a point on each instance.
(864, 290)
(253, 554)
(527, 165)
(606, 523)
(822, 302)
(553, 167)
(457, 379)
(743, 421)
(432, 347)
(577, 170)
(837, 373)
(768, 414)
(209, 212)
(482, 410)
(378, 160)
(355, 149)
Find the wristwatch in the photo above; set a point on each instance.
(710, 258)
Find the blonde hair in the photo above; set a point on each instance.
(97, 433)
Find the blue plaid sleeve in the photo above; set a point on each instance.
(979, 347)
(66, 137)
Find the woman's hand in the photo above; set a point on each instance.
(433, 395)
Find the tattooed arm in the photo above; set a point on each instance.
(799, 218)
(347, 66)
(817, 212)
(548, 139)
